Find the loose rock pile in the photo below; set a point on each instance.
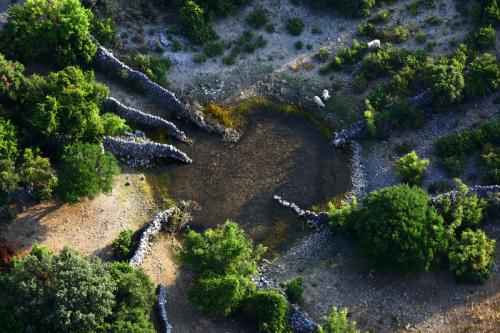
(162, 308)
(156, 224)
(137, 151)
(346, 136)
(110, 104)
(357, 174)
(106, 61)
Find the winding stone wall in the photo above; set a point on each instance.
(142, 153)
(111, 104)
(314, 220)
(154, 227)
(162, 309)
(485, 192)
(107, 62)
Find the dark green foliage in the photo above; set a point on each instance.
(123, 245)
(224, 259)
(294, 289)
(344, 216)
(299, 45)
(104, 30)
(295, 26)
(220, 294)
(483, 38)
(35, 171)
(8, 140)
(322, 55)
(67, 293)
(463, 212)
(398, 229)
(482, 76)
(199, 58)
(487, 12)
(411, 168)
(8, 183)
(353, 8)
(213, 48)
(113, 125)
(454, 149)
(192, 18)
(12, 81)
(337, 322)
(347, 56)
(155, 68)
(220, 7)
(60, 293)
(85, 171)
(271, 310)
(446, 81)
(257, 18)
(58, 31)
(381, 17)
(473, 257)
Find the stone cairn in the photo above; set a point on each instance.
(110, 104)
(107, 62)
(162, 308)
(137, 152)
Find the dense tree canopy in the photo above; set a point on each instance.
(85, 171)
(398, 229)
(68, 293)
(483, 75)
(56, 30)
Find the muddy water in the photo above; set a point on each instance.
(278, 154)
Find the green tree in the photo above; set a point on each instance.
(8, 140)
(397, 228)
(482, 76)
(445, 81)
(294, 289)
(56, 30)
(271, 309)
(104, 30)
(337, 322)
(36, 171)
(411, 168)
(473, 257)
(65, 104)
(85, 171)
(219, 251)
(60, 293)
(123, 245)
(220, 294)
(192, 18)
(482, 39)
(113, 125)
(12, 81)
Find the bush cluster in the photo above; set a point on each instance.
(337, 322)
(123, 246)
(295, 26)
(257, 18)
(57, 31)
(294, 289)
(66, 292)
(154, 67)
(411, 168)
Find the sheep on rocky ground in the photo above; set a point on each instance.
(318, 102)
(374, 44)
(326, 95)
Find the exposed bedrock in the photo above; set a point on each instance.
(142, 153)
(111, 104)
(107, 62)
(162, 309)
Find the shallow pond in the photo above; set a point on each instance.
(278, 154)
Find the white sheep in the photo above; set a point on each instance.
(326, 95)
(318, 102)
(374, 44)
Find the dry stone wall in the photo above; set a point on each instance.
(142, 153)
(111, 104)
(162, 309)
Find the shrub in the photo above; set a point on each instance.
(13, 82)
(271, 310)
(85, 171)
(192, 18)
(58, 31)
(446, 81)
(366, 29)
(257, 18)
(229, 60)
(123, 245)
(113, 125)
(381, 17)
(483, 75)
(472, 259)
(344, 217)
(295, 26)
(294, 289)
(322, 55)
(104, 30)
(398, 229)
(199, 58)
(154, 67)
(421, 37)
(369, 115)
(220, 294)
(213, 48)
(8, 140)
(221, 7)
(36, 172)
(482, 39)
(299, 45)
(8, 183)
(463, 211)
(337, 322)
(411, 168)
